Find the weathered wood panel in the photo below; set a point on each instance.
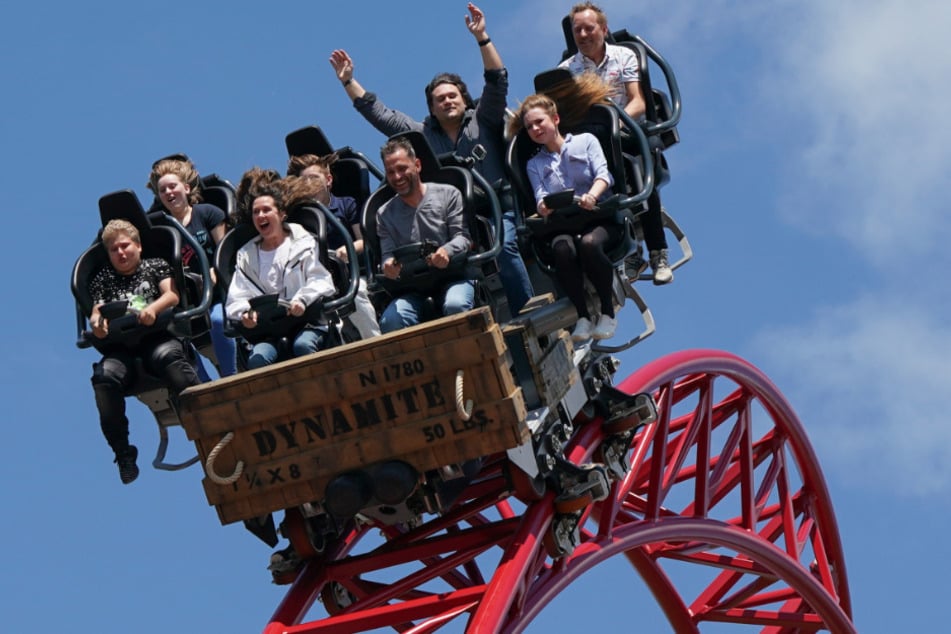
(299, 423)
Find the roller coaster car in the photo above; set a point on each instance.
(273, 319)
(394, 427)
(387, 429)
(483, 221)
(186, 320)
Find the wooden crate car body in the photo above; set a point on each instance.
(299, 423)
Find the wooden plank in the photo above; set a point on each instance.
(498, 421)
(427, 444)
(405, 396)
(555, 372)
(217, 409)
(356, 353)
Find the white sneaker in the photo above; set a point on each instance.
(605, 328)
(662, 271)
(582, 331)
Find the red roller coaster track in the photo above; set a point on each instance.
(724, 482)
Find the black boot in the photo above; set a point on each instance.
(125, 458)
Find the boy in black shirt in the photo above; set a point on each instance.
(149, 288)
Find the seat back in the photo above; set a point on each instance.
(661, 111)
(314, 218)
(601, 121)
(219, 192)
(658, 108)
(431, 171)
(352, 169)
(227, 251)
(519, 150)
(157, 241)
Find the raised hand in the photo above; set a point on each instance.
(475, 22)
(342, 64)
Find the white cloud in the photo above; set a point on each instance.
(870, 381)
(869, 165)
(870, 80)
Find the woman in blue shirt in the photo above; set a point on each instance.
(574, 162)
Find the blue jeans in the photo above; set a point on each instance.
(407, 310)
(268, 352)
(224, 346)
(512, 271)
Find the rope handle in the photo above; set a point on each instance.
(210, 463)
(463, 409)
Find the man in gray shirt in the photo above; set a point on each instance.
(456, 125)
(420, 212)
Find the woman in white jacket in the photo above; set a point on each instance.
(281, 260)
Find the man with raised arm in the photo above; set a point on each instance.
(619, 68)
(456, 125)
(420, 212)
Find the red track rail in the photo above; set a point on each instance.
(725, 481)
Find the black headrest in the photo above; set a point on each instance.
(429, 162)
(307, 140)
(124, 204)
(545, 80)
(312, 218)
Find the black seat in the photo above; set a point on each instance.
(351, 170)
(314, 219)
(631, 174)
(216, 191)
(157, 241)
(662, 112)
(219, 192)
(486, 242)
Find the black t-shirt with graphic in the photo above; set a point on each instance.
(141, 288)
(205, 217)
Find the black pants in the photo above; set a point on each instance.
(653, 224)
(588, 251)
(163, 356)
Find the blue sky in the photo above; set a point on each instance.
(811, 180)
